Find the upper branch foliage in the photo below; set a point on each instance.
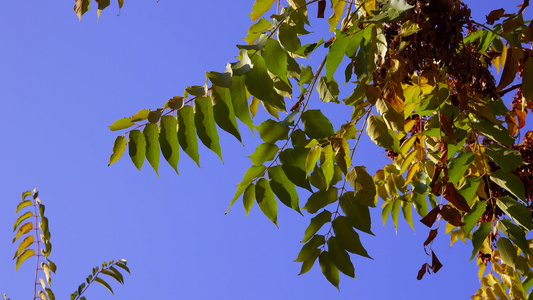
(423, 90)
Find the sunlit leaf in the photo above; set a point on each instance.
(151, 136)
(264, 152)
(515, 233)
(516, 211)
(187, 133)
(239, 98)
(271, 131)
(275, 59)
(118, 149)
(510, 182)
(28, 241)
(327, 164)
(363, 184)
(315, 225)
(23, 256)
(204, 120)
(81, 7)
(260, 7)
(320, 199)
(311, 159)
(137, 148)
(471, 218)
(21, 218)
(458, 166)
(316, 125)
(168, 140)
(121, 124)
(248, 198)
(223, 111)
(479, 236)
(380, 134)
(328, 90)
(250, 174)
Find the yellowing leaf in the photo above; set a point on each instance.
(118, 149)
(260, 7)
(23, 256)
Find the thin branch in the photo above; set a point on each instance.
(507, 90)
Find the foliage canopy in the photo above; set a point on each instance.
(423, 75)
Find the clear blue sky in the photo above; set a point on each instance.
(63, 81)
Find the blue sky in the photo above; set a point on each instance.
(63, 81)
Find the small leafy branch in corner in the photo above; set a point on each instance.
(108, 268)
(36, 242)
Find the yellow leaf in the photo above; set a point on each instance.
(23, 230)
(369, 6)
(25, 244)
(338, 9)
(23, 256)
(260, 7)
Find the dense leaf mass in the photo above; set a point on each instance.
(423, 74)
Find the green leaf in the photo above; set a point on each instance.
(223, 111)
(121, 124)
(239, 98)
(328, 268)
(308, 263)
(340, 257)
(316, 125)
(342, 155)
(151, 135)
(507, 251)
(327, 165)
(479, 236)
(256, 29)
(363, 183)
(527, 78)
(472, 217)
(266, 200)
(357, 213)
(308, 249)
(137, 148)
(288, 37)
(220, 79)
(316, 223)
(293, 164)
(519, 213)
(248, 198)
(284, 189)
(271, 131)
(260, 7)
(22, 218)
(141, 115)
(204, 120)
(197, 90)
(118, 149)
(515, 233)
(250, 174)
(395, 213)
(23, 256)
(495, 132)
(328, 90)
(187, 133)
(168, 140)
(275, 59)
(104, 283)
(469, 188)
(381, 135)
(336, 53)
(264, 152)
(407, 211)
(320, 199)
(458, 166)
(507, 159)
(153, 116)
(259, 84)
(510, 182)
(347, 237)
(311, 159)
